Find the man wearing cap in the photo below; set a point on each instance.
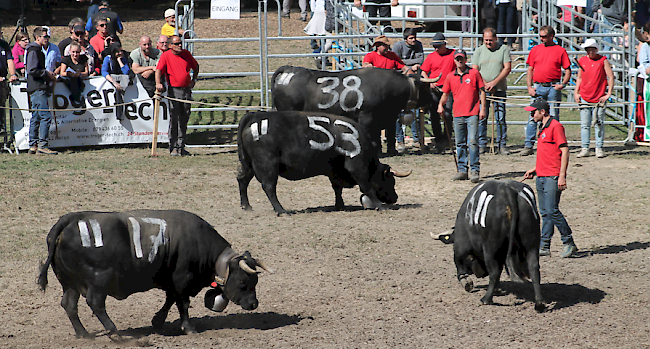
(383, 57)
(492, 60)
(76, 26)
(594, 84)
(467, 87)
(175, 65)
(145, 58)
(439, 63)
(551, 169)
(113, 21)
(38, 79)
(545, 63)
(170, 24)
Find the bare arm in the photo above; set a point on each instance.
(561, 181)
(576, 92)
(610, 81)
(12, 70)
(482, 112)
(441, 104)
(529, 82)
(159, 85)
(137, 69)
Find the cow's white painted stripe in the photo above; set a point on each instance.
(285, 78)
(136, 237)
(485, 208)
(83, 232)
(529, 193)
(97, 232)
(255, 132)
(470, 204)
(529, 203)
(265, 126)
(479, 206)
(159, 240)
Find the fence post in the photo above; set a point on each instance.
(156, 110)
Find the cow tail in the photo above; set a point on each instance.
(242, 153)
(52, 239)
(514, 245)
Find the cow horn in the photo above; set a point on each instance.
(401, 174)
(245, 267)
(431, 80)
(263, 265)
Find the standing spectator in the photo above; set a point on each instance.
(641, 13)
(170, 24)
(507, 19)
(545, 62)
(286, 9)
(411, 52)
(440, 63)
(18, 52)
(93, 7)
(74, 68)
(145, 58)
(488, 15)
(551, 169)
(382, 10)
(52, 56)
(76, 28)
(6, 68)
(116, 69)
(382, 56)
(466, 85)
(594, 84)
(161, 43)
(99, 41)
(492, 60)
(612, 13)
(113, 22)
(316, 26)
(175, 65)
(38, 80)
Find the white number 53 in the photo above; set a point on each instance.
(352, 137)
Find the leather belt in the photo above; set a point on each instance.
(548, 84)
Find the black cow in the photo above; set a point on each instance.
(99, 254)
(299, 145)
(373, 97)
(497, 225)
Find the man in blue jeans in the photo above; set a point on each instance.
(38, 80)
(551, 168)
(545, 62)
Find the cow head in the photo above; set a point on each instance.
(241, 280)
(383, 183)
(425, 96)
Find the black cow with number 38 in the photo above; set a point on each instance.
(298, 145)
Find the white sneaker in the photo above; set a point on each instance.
(583, 152)
(599, 153)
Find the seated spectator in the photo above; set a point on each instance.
(170, 24)
(116, 70)
(86, 50)
(75, 26)
(99, 41)
(73, 69)
(18, 52)
(145, 58)
(162, 44)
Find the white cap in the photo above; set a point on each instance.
(590, 43)
(170, 12)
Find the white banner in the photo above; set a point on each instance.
(581, 3)
(224, 9)
(95, 126)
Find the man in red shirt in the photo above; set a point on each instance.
(98, 42)
(467, 87)
(175, 64)
(439, 63)
(594, 84)
(545, 63)
(383, 57)
(550, 168)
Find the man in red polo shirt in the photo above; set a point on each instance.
(551, 168)
(175, 64)
(467, 87)
(439, 63)
(545, 63)
(383, 57)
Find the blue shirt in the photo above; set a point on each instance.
(52, 57)
(106, 66)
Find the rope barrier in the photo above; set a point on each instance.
(552, 103)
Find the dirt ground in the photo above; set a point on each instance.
(351, 279)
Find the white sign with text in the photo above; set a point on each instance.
(224, 9)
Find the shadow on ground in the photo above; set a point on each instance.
(556, 296)
(613, 249)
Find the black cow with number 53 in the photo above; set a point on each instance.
(298, 145)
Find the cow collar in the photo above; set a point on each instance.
(414, 95)
(222, 265)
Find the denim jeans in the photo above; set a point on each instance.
(466, 129)
(586, 114)
(39, 124)
(500, 119)
(507, 20)
(602, 29)
(549, 94)
(415, 127)
(548, 195)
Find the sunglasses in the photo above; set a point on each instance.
(79, 33)
(45, 36)
(102, 25)
(175, 43)
(24, 39)
(543, 36)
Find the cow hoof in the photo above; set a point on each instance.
(540, 307)
(84, 334)
(486, 301)
(115, 337)
(157, 322)
(247, 208)
(284, 214)
(467, 284)
(189, 330)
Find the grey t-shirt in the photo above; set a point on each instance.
(490, 63)
(138, 57)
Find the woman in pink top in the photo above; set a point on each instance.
(18, 52)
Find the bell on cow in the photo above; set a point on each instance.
(407, 117)
(366, 202)
(214, 300)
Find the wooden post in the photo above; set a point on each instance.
(494, 114)
(156, 111)
(420, 115)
